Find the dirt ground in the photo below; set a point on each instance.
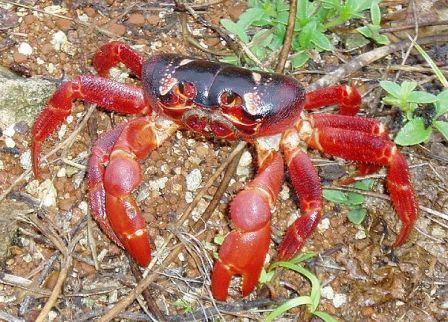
(48, 240)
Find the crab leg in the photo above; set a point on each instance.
(375, 149)
(347, 97)
(108, 94)
(120, 178)
(115, 52)
(244, 249)
(306, 183)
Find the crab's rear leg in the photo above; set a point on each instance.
(244, 249)
(306, 184)
(369, 148)
(115, 52)
(347, 97)
(120, 178)
(108, 94)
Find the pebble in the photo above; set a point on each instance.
(9, 131)
(361, 234)
(136, 19)
(153, 20)
(339, 299)
(25, 160)
(323, 225)
(29, 19)
(25, 49)
(194, 179)
(19, 58)
(117, 29)
(89, 11)
(63, 24)
(2, 165)
(327, 292)
(58, 40)
(284, 193)
(10, 143)
(61, 173)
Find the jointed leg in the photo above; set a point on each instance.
(244, 249)
(110, 186)
(115, 52)
(347, 97)
(306, 183)
(106, 93)
(365, 147)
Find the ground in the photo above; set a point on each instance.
(363, 278)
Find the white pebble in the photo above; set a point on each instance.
(58, 40)
(25, 160)
(25, 49)
(83, 206)
(194, 179)
(156, 185)
(47, 193)
(323, 225)
(2, 165)
(339, 299)
(10, 142)
(40, 61)
(361, 234)
(188, 197)
(9, 131)
(69, 119)
(284, 193)
(327, 292)
(61, 173)
(246, 159)
(83, 17)
(62, 131)
(50, 68)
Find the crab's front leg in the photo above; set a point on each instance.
(108, 94)
(244, 249)
(110, 187)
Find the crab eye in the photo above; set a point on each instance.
(186, 89)
(230, 99)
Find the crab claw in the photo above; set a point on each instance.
(241, 254)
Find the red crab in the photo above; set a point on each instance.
(232, 103)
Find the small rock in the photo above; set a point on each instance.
(10, 142)
(25, 49)
(58, 40)
(153, 20)
(9, 131)
(194, 179)
(63, 24)
(327, 292)
(19, 58)
(25, 160)
(246, 159)
(339, 300)
(61, 173)
(323, 225)
(284, 193)
(136, 19)
(361, 234)
(117, 29)
(89, 11)
(29, 19)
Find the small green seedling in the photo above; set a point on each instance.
(311, 301)
(352, 200)
(183, 305)
(262, 27)
(416, 129)
(373, 30)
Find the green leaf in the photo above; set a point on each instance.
(334, 195)
(407, 87)
(235, 29)
(354, 41)
(381, 39)
(354, 198)
(365, 31)
(219, 239)
(302, 257)
(365, 184)
(421, 97)
(315, 285)
(391, 87)
(325, 316)
(433, 65)
(442, 127)
(441, 104)
(321, 41)
(249, 16)
(301, 300)
(413, 132)
(375, 13)
(231, 59)
(299, 59)
(307, 34)
(357, 215)
(265, 277)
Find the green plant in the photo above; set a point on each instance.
(352, 200)
(183, 305)
(262, 27)
(312, 300)
(373, 30)
(418, 126)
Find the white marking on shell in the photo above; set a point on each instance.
(166, 84)
(253, 102)
(256, 77)
(185, 61)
